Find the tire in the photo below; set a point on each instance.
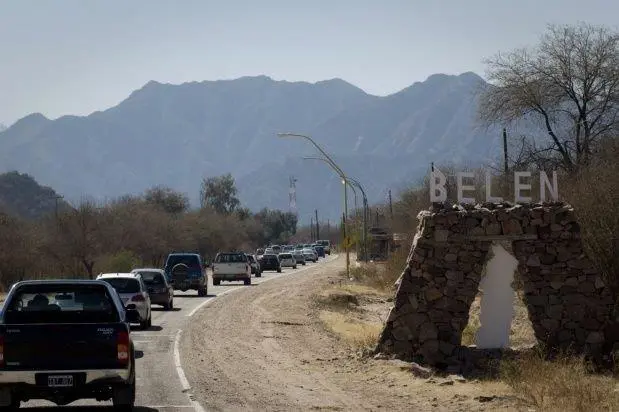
(294, 267)
(216, 282)
(247, 281)
(123, 397)
(259, 274)
(144, 324)
(202, 292)
(150, 320)
(13, 406)
(279, 270)
(303, 263)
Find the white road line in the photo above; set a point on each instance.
(181, 374)
(165, 406)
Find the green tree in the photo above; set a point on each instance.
(278, 226)
(219, 193)
(167, 199)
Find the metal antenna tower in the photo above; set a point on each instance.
(292, 195)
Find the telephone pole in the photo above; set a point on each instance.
(390, 205)
(505, 164)
(317, 226)
(312, 229)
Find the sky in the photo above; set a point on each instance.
(61, 57)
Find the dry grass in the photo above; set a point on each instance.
(357, 334)
(563, 384)
(521, 334)
(382, 276)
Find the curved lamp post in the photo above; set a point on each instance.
(366, 215)
(342, 175)
(352, 183)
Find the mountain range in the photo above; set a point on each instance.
(174, 135)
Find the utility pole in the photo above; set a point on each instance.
(56, 198)
(312, 229)
(505, 164)
(317, 225)
(328, 229)
(390, 205)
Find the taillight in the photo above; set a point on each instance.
(1, 350)
(122, 346)
(138, 298)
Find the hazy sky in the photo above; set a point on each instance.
(76, 56)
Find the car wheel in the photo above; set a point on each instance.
(294, 267)
(247, 281)
(216, 282)
(303, 263)
(123, 397)
(13, 406)
(144, 324)
(279, 270)
(202, 292)
(259, 274)
(150, 320)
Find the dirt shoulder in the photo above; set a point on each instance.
(271, 347)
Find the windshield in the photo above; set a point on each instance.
(231, 258)
(251, 258)
(61, 303)
(123, 285)
(152, 277)
(285, 256)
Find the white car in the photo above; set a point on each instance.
(132, 291)
(310, 254)
(287, 260)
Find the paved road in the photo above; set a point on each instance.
(161, 384)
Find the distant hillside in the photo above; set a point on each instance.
(21, 195)
(175, 134)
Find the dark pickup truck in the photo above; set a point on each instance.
(64, 340)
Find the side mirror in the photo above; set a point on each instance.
(132, 315)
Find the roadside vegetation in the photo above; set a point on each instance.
(89, 238)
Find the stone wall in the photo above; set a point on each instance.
(568, 303)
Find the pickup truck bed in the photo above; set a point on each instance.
(231, 267)
(62, 355)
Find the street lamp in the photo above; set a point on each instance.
(339, 171)
(366, 214)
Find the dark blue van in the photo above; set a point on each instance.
(185, 271)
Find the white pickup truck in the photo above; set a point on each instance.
(231, 266)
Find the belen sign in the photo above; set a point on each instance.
(438, 192)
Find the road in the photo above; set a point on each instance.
(161, 382)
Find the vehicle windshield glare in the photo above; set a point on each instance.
(61, 303)
(123, 285)
(231, 258)
(152, 277)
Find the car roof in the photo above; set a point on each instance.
(60, 282)
(148, 270)
(119, 275)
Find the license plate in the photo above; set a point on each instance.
(60, 381)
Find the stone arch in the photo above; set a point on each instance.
(569, 305)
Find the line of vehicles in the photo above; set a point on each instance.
(240, 266)
(64, 340)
